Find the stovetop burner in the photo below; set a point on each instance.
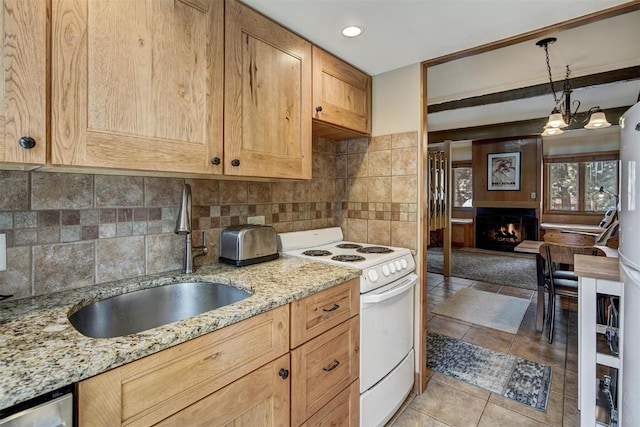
(348, 258)
(316, 252)
(348, 246)
(374, 250)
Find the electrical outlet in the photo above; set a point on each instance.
(533, 195)
(256, 220)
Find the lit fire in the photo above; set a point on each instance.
(506, 233)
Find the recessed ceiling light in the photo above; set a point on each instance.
(352, 31)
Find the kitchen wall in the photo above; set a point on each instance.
(378, 181)
(71, 230)
(396, 98)
(530, 193)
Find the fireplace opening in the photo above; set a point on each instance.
(503, 229)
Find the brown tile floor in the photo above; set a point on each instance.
(449, 402)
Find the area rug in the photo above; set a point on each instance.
(518, 379)
(496, 311)
(502, 269)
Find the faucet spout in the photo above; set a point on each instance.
(183, 222)
(183, 227)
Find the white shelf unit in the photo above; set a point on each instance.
(588, 355)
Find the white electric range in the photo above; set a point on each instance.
(386, 313)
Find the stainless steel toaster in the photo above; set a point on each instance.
(248, 244)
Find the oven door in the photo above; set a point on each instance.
(386, 329)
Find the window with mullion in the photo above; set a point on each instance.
(462, 185)
(574, 186)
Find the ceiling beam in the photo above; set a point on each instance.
(624, 74)
(510, 129)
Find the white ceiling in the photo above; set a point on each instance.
(398, 33)
(604, 45)
(403, 32)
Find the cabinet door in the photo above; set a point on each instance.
(155, 387)
(341, 93)
(23, 115)
(267, 97)
(260, 398)
(138, 84)
(323, 367)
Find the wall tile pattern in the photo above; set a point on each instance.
(68, 230)
(377, 181)
(71, 230)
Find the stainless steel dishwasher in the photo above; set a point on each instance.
(54, 409)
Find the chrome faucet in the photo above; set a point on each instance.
(183, 226)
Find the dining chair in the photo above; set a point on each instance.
(558, 251)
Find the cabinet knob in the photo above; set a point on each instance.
(235, 162)
(27, 142)
(284, 373)
(215, 161)
(319, 108)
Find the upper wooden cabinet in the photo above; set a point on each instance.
(138, 84)
(150, 85)
(23, 115)
(341, 98)
(267, 97)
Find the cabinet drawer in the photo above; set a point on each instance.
(150, 389)
(317, 313)
(323, 367)
(342, 410)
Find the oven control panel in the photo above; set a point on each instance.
(386, 272)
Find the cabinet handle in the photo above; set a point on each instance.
(331, 367)
(334, 308)
(235, 162)
(215, 161)
(284, 373)
(27, 142)
(319, 109)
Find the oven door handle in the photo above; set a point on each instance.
(377, 298)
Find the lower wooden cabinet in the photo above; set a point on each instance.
(323, 367)
(258, 399)
(342, 410)
(162, 385)
(249, 373)
(318, 313)
(463, 234)
(325, 357)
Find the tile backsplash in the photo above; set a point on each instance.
(378, 182)
(67, 230)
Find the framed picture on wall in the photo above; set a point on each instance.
(503, 171)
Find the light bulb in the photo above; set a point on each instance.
(352, 31)
(598, 120)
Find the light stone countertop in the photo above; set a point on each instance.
(41, 351)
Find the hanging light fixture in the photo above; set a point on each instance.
(561, 116)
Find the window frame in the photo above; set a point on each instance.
(581, 159)
(461, 164)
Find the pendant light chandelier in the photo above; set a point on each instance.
(561, 116)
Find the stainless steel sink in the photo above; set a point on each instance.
(149, 308)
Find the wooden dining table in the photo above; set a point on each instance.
(533, 247)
